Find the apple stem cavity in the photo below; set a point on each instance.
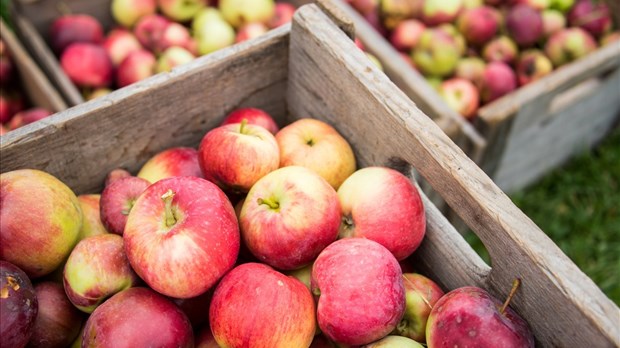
(167, 198)
(242, 127)
(269, 202)
(513, 291)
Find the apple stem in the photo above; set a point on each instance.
(243, 123)
(167, 197)
(269, 202)
(513, 291)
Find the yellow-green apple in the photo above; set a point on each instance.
(98, 92)
(470, 317)
(91, 218)
(72, 28)
(316, 145)
(58, 322)
(205, 339)
(361, 296)
(182, 236)
(553, 21)
(568, 45)
(392, 12)
(470, 68)
(240, 12)
(137, 66)
(87, 65)
(436, 53)
(461, 95)
(421, 294)
(173, 57)
(129, 12)
(435, 12)
(96, 269)
(498, 79)
(253, 116)
(374, 60)
(181, 10)
(117, 200)
(279, 310)
(28, 116)
(454, 33)
(250, 30)
(406, 34)
(561, 5)
(237, 155)
(592, 16)
(479, 25)
(500, 49)
(148, 320)
(175, 161)
(40, 220)
(119, 43)
(18, 305)
(392, 341)
(532, 65)
(282, 14)
(114, 175)
(289, 216)
(401, 228)
(149, 30)
(211, 31)
(524, 24)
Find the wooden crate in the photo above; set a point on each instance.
(312, 69)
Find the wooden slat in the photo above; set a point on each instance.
(563, 306)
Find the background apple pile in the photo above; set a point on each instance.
(260, 237)
(475, 51)
(153, 36)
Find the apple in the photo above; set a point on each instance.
(18, 305)
(454, 33)
(3, 129)
(97, 93)
(58, 322)
(253, 116)
(500, 49)
(461, 95)
(392, 12)
(361, 296)
(96, 269)
(561, 5)
(5, 108)
(91, 220)
(278, 309)
(479, 25)
(532, 65)
(498, 79)
(316, 145)
(205, 339)
(365, 6)
(610, 37)
(117, 200)
(470, 68)
(175, 161)
(524, 24)
(289, 216)
(149, 320)
(406, 34)
(283, 13)
(250, 30)
(374, 60)
(538, 5)
(72, 28)
(436, 12)
(129, 12)
(115, 174)
(181, 10)
(470, 316)
(399, 226)
(119, 43)
(150, 30)
(553, 21)
(394, 342)
(421, 294)
(592, 16)
(240, 12)
(173, 57)
(568, 45)
(137, 66)
(237, 155)
(182, 236)
(40, 221)
(211, 31)
(175, 34)
(87, 65)
(7, 66)
(436, 53)
(28, 116)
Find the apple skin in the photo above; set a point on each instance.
(173, 57)
(87, 65)
(479, 25)
(361, 296)
(289, 216)
(498, 79)
(114, 175)
(137, 66)
(175, 161)
(119, 43)
(149, 320)
(211, 31)
(524, 24)
(96, 269)
(72, 28)
(58, 322)
(500, 49)
(250, 30)
(117, 200)
(394, 342)
(593, 17)
(150, 30)
(399, 226)
(436, 53)
(240, 12)
(28, 116)
(406, 34)
(182, 250)
(316, 145)
(278, 309)
(128, 12)
(3, 130)
(175, 34)
(610, 38)
(97, 93)
(470, 317)
(532, 65)
(40, 221)
(253, 116)
(461, 95)
(235, 156)
(470, 68)
(283, 13)
(18, 306)
(364, 6)
(392, 12)
(181, 10)
(553, 21)
(568, 45)
(91, 218)
(436, 12)
(5, 108)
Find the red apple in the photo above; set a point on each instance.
(406, 34)
(240, 12)
(381, 204)
(394, 342)
(40, 221)
(437, 12)
(289, 216)
(173, 57)
(117, 200)
(524, 24)
(148, 320)
(182, 236)
(128, 12)
(175, 161)
(115, 174)
(3, 129)
(361, 296)
(461, 95)
(592, 16)
(175, 34)
(18, 305)
(137, 66)
(249, 31)
(28, 116)
(58, 322)
(7, 66)
(278, 310)
(283, 13)
(568, 45)
(532, 65)
(87, 65)
(91, 218)
(181, 10)
(318, 146)
(365, 6)
(235, 156)
(150, 30)
(479, 25)
(5, 108)
(119, 43)
(500, 49)
(72, 28)
(253, 116)
(470, 68)
(498, 79)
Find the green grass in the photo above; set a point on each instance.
(578, 206)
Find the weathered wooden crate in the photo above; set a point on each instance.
(311, 69)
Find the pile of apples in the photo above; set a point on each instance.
(475, 51)
(154, 36)
(260, 237)
(15, 109)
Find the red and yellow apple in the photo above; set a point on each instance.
(253, 116)
(91, 218)
(175, 161)
(117, 200)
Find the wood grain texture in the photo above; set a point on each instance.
(563, 306)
